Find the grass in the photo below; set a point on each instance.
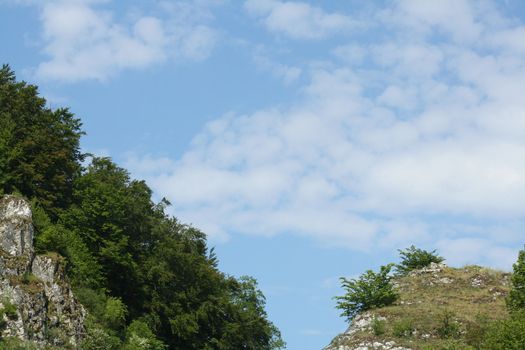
(439, 310)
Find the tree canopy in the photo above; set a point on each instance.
(148, 281)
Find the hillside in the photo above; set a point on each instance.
(439, 307)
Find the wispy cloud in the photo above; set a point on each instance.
(287, 73)
(415, 138)
(298, 20)
(84, 40)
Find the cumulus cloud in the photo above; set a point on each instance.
(84, 40)
(412, 139)
(298, 20)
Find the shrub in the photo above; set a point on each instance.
(98, 338)
(378, 326)
(448, 328)
(414, 258)
(140, 337)
(369, 291)
(507, 334)
(476, 331)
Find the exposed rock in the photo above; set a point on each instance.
(362, 322)
(16, 229)
(34, 288)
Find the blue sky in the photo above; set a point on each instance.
(309, 140)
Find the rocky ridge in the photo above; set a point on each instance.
(36, 300)
(435, 309)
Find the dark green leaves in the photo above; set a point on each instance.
(371, 290)
(414, 258)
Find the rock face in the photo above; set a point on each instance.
(36, 301)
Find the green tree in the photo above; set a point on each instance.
(126, 258)
(413, 258)
(114, 216)
(39, 147)
(371, 290)
(516, 297)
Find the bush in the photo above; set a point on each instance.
(371, 290)
(378, 326)
(476, 331)
(449, 328)
(98, 338)
(140, 337)
(507, 334)
(414, 258)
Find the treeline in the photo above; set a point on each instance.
(148, 281)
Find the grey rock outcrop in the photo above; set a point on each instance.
(362, 322)
(36, 300)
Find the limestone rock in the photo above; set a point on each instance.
(16, 229)
(35, 294)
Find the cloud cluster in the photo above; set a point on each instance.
(84, 40)
(415, 136)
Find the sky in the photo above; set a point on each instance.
(309, 139)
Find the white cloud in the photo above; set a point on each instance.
(421, 144)
(299, 20)
(85, 41)
(287, 73)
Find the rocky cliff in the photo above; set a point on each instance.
(36, 301)
(439, 307)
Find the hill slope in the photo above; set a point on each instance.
(439, 307)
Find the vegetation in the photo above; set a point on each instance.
(371, 290)
(444, 308)
(148, 281)
(516, 298)
(413, 258)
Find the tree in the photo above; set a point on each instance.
(371, 290)
(516, 297)
(148, 281)
(39, 148)
(413, 258)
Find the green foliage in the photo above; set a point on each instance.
(403, 328)
(39, 147)
(378, 326)
(126, 259)
(115, 314)
(98, 338)
(507, 334)
(516, 297)
(413, 258)
(449, 327)
(370, 290)
(81, 265)
(476, 331)
(140, 337)
(8, 310)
